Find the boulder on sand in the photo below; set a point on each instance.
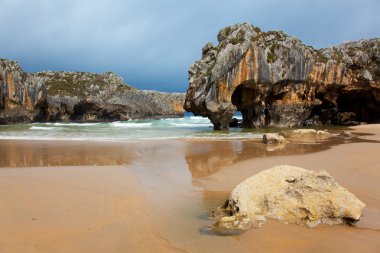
(288, 194)
(273, 138)
(306, 133)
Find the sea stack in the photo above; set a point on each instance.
(276, 80)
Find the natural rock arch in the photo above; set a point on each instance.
(276, 80)
(248, 101)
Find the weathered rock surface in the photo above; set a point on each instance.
(276, 80)
(306, 133)
(77, 96)
(22, 97)
(273, 138)
(288, 194)
(345, 134)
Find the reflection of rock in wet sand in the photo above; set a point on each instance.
(60, 153)
(206, 158)
(103, 209)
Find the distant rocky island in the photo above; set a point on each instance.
(77, 96)
(276, 80)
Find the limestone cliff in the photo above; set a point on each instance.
(22, 97)
(276, 80)
(77, 96)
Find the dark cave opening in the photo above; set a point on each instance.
(244, 98)
(88, 111)
(349, 108)
(360, 106)
(42, 114)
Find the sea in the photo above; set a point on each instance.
(187, 127)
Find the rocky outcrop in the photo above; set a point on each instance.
(22, 97)
(77, 96)
(306, 133)
(276, 80)
(288, 194)
(273, 138)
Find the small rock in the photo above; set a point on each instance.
(345, 134)
(234, 225)
(299, 133)
(306, 133)
(322, 134)
(273, 138)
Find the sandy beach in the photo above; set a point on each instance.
(155, 196)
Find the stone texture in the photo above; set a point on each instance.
(288, 194)
(22, 97)
(273, 138)
(77, 96)
(276, 80)
(345, 134)
(306, 133)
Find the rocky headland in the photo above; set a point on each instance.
(276, 80)
(77, 96)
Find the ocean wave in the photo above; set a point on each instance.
(106, 138)
(42, 128)
(131, 124)
(198, 118)
(72, 124)
(191, 124)
(227, 137)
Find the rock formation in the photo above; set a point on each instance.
(306, 133)
(273, 138)
(77, 96)
(276, 80)
(288, 194)
(22, 97)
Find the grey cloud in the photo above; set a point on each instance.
(152, 43)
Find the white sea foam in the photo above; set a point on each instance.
(198, 118)
(42, 128)
(193, 127)
(130, 124)
(74, 124)
(191, 124)
(65, 124)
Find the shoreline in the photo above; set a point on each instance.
(140, 130)
(155, 196)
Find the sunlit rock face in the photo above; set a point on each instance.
(288, 194)
(22, 97)
(77, 96)
(276, 80)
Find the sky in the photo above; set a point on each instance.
(152, 43)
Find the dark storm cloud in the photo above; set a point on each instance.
(152, 43)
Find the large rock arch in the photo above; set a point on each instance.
(247, 99)
(283, 82)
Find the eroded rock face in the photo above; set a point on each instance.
(276, 80)
(306, 133)
(288, 194)
(22, 97)
(273, 138)
(77, 96)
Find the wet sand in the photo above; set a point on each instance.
(155, 196)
